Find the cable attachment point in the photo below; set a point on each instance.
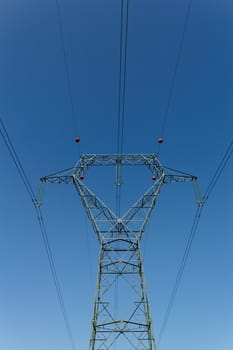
(38, 200)
(197, 191)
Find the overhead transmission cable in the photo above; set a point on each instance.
(124, 21)
(219, 171)
(122, 75)
(225, 159)
(67, 70)
(28, 187)
(176, 66)
(119, 125)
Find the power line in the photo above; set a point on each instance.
(28, 187)
(120, 79)
(218, 171)
(225, 159)
(180, 273)
(121, 112)
(124, 77)
(121, 94)
(122, 74)
(174, 74)
(16, 160)
(61, 31)
(55, 277)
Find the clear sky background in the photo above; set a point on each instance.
(35, 106)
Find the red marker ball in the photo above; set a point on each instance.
(81, 177)
(160, 140)
(77, 139)
(153, 177)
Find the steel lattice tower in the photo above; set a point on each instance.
(120, 265)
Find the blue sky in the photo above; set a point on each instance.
(34, 105)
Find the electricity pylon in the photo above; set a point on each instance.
(121, 315)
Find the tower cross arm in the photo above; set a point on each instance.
(53, 179)
(63, 179)
(60, 177)
(171, 178)
(182, 177)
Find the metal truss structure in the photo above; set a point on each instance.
(121, 316)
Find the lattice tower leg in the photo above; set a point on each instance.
(120, 270)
